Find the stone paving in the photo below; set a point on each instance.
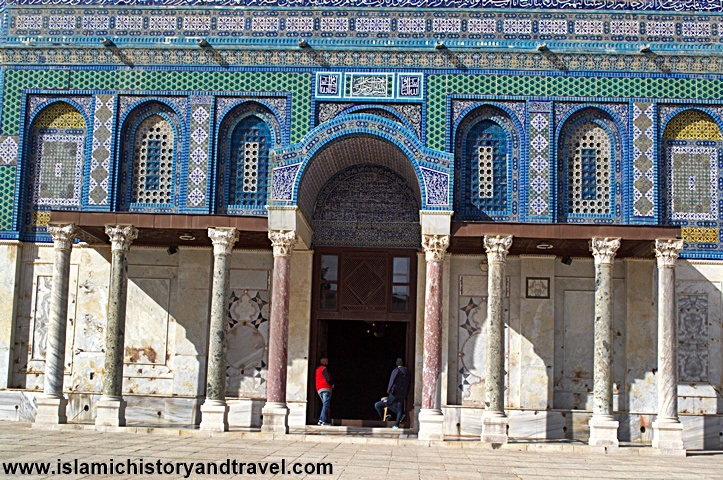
(352, 458)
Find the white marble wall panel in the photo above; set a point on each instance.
(299, 331)
(33, 316)
(513, 336)
(699, 345)
(574, 320)
(641, 340)
(9, 279)
(537, 334)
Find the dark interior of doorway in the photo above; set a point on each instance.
(361, 356)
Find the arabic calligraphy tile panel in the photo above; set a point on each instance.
(367, 205)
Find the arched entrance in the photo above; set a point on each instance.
(363, 198)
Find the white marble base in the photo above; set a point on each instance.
(668, 438)
(494, 428)
(214, 416)
(110, 412)
(603, 432)
(275, 418)
(51, 410)
(431, 425)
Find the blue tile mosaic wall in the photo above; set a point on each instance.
(495, 133)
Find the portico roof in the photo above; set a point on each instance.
(561, 239)
(166, 229)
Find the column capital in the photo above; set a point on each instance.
(666, 251)
(435, 246)
(63, 235)
(497, 247)
(121, 236)
(604, 249)
(223, 239)
(283, 242)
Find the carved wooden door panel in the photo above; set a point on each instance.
(365, 283)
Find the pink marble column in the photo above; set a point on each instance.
(667, 429)
(275, 412)
(430, 416)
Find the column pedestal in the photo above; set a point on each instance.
(276, 418)
(494, 428)
(214, 416)
(431, 425)
(603, 431)
(668, 438)
(110, 412)
(51, 409)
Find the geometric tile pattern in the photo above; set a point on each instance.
(699, 234)
(694, 181)
(540, 161)
(643, 159)
(692, 124)
(493, 127)
(103, 133)
(8, 149)
(7, 190)
(200, 151)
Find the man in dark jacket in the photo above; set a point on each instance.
(397, 390)
(324, 386)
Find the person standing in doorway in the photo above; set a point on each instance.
(397, 390)
(324, 386)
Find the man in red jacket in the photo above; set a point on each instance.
(324, 386)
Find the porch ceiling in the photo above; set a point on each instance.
(166, 230)
(566, 239)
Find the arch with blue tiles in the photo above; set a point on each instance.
(487, 153)
(159, 192)
(432, 169)
(246, 136)
(53, 163)
(589, 173)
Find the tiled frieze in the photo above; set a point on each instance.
(539, 170)
(102, 147)
(201, 142)
(420, 27)
(644, 171)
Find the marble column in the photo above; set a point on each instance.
(667, 429)
(603, 426)
(111, 408)
(431, 420)
(52, 404)
(494, 422)
(214, 411)
(275, 412)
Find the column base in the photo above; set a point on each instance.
(214, 416)
(431, 425)
(494, 427)
(51, 409)
(275, 418)
(603, 431)
(668, 437)
(110, 412)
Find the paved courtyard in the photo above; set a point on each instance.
(398, 460)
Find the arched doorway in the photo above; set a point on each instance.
(364, 212)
